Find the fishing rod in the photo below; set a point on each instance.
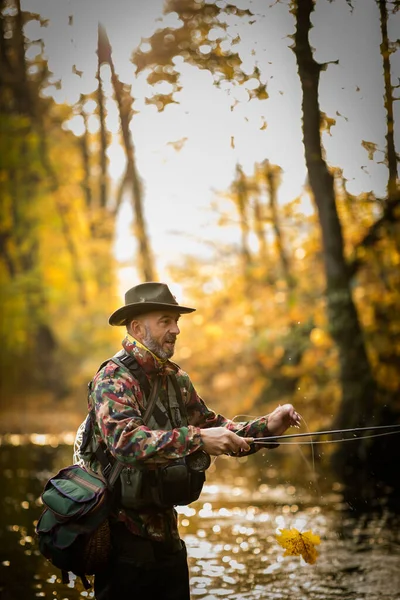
(262, 440)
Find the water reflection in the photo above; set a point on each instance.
(229, 533)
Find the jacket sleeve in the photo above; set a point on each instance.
(117, 401)
(201, 416)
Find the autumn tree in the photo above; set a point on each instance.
(359, 404)
(25, 324)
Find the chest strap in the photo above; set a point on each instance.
(129, 362)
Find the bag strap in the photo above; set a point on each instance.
(178, 394)
(126, 361)
(110, 467)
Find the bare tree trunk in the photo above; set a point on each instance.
(242, 202)
(357, 381)
(271, 173)
(22, 87)
(120, 193)
(390, 147)
(84, 144)
(124, 102)
(259, 229)
(103, 192)
(391, 213)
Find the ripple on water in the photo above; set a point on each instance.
(230, 539)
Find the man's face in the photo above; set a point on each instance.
(159, 332)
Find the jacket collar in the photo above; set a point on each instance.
(149, 362)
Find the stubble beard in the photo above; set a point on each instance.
(155, 347)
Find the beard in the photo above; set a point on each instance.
(155, 347)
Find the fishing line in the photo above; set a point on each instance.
(303, 443)
(328, 432)
(312, 447)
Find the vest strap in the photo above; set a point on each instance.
(124, 360)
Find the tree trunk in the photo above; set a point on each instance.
(22, 90)
(391, 213)
(271, 176)
(259, 229)
(241, 197)
(103, 191)
(357, 381)
(84, 145)
(124, 101)
(388, 97)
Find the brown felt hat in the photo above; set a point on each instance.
(144, 298)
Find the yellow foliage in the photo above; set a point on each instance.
(319, 337)
(299, 544)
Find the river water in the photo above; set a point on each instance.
(229, 532)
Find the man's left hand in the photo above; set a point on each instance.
(282, 418)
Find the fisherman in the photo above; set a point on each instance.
(165, 451)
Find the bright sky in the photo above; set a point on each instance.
(180, 185)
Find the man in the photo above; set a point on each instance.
(157, 447)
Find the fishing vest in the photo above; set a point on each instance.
(175, 482)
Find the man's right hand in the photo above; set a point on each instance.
(219, 440)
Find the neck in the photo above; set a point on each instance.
(138, 343)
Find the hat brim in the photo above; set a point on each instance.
(121, 315)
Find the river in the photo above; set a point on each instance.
(229, 532)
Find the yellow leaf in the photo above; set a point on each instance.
(297, 544)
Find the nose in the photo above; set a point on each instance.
(175, 329)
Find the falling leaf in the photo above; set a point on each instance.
(264, 125)
(232, 141)
(76, 71)
(340, 115)
(370, 147)
(178, 144)
(297, 544)
(260, 92)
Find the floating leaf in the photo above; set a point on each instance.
(260, 92)
(297, 544)
(370, 147)
(178, 144)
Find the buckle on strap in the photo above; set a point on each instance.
(107, 470)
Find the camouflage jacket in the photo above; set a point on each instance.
(119, 403)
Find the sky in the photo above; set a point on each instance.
(181, 185)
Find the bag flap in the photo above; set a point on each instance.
(72, 492)
(46, 522)
(86, 480)
(64, 506)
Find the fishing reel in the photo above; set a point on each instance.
(198, 461)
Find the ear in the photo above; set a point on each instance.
(137, 329)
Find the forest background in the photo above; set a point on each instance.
(214, 148)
